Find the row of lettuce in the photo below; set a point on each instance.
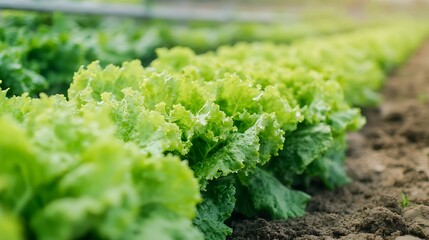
(171, 150)
(40, 53)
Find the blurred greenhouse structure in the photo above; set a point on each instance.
(223, 10)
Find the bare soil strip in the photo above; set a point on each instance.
(388, 162)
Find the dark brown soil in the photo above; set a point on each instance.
(388, 162)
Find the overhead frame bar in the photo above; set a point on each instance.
(140, 11)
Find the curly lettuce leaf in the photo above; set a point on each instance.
(20, 170)
(244, 151)
(302, 147)
(148, 129)
(68, 175)
(262, 193)
(330, 167)
(217, 207)
(10, 227)
(159, 223)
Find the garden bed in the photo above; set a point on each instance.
(388, 162)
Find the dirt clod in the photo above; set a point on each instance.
(407, 237)
(380, 221)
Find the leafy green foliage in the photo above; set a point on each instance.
(130, 152)
(9, 226)
(217, 207)
(309, 88)
(263, 193)
(356, 60)
(302, 148)
(162, 224)
(40, 52)
(68, 176)
(405, 201)
(209, 126)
